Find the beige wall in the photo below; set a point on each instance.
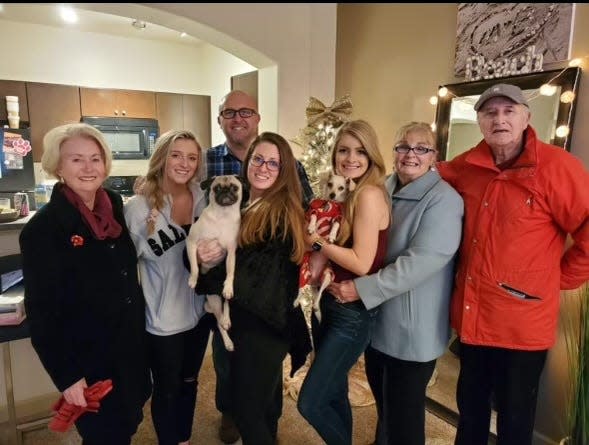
(391, 59)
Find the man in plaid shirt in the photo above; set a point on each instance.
(239, 118)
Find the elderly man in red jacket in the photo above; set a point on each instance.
(522, 197)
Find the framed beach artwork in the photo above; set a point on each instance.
(506, 34)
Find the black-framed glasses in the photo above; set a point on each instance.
(230, 113)
(418, 150)
(271, 164)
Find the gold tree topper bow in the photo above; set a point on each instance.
(340, 111)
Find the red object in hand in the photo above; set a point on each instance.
(66, 413)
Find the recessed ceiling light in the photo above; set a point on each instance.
(139, 24)
(68, 14)
(183, 34)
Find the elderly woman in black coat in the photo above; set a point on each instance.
(82, 296)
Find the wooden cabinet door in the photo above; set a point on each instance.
(131, 103)
(197, 117)
(170, 115)
(97, 102)
(14, 88)
(117, 103)
(49, 106)
(185, 112)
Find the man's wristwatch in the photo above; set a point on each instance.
(317, 245)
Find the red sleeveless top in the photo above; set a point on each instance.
(342, 274)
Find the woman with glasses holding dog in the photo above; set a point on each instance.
(359, 249)
(159, 220)
(413, 289)
(85, 307)
(264, 324)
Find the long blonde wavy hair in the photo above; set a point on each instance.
(154, 180)
(374, 175)
(279, 212)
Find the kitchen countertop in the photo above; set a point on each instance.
(16, 224)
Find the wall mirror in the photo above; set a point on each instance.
(456, 124)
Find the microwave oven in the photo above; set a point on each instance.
(127, 137)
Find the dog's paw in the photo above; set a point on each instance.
(229, 345)
(228, 290)
(192, 281)
(296, 302)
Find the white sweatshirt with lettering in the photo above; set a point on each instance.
(171, 305)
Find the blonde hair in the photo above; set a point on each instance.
(55, 137)
(374, 175)
(279, 213)
(154, 180)
(416, 127)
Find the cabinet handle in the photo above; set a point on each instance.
(116, 112)
(124, 113)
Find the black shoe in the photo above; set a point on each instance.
(228, 432)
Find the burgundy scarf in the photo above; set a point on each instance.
(101, 220)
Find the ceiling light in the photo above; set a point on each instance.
(139, 24)
(68, 14)
(183, 34)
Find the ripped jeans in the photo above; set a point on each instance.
(175, 362)
(343, 337)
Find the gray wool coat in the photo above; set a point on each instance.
(413, 290)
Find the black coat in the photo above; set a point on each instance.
(86, 310)
(266, 285)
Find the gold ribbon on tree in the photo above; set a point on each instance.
(340, 111)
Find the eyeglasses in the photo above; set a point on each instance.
(230, 113)
(271, 164)
(418, 150)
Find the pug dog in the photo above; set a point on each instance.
(220, 220)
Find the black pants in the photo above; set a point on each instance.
(175, 362)
(256, 377)
(399, 389)
(513, 376)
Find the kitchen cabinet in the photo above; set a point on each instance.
(185, 112)
(50, 105)
(117, 103)
(14, 88)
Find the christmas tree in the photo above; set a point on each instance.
(317, 137)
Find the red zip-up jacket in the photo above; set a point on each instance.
(512, 262)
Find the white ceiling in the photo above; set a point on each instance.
(90, 21)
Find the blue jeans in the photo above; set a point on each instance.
(343, 337)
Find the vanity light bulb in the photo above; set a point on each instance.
(547, 90)
(567, 97)
(562, 131)
(433, 100)
(575, 62)
(433, 126)
(442, 92)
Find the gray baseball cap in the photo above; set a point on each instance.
(502, 89)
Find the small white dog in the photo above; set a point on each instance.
(219, 220)
(324, 216)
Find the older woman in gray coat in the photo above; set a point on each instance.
(413, 290)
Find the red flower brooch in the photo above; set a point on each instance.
(77, 240)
